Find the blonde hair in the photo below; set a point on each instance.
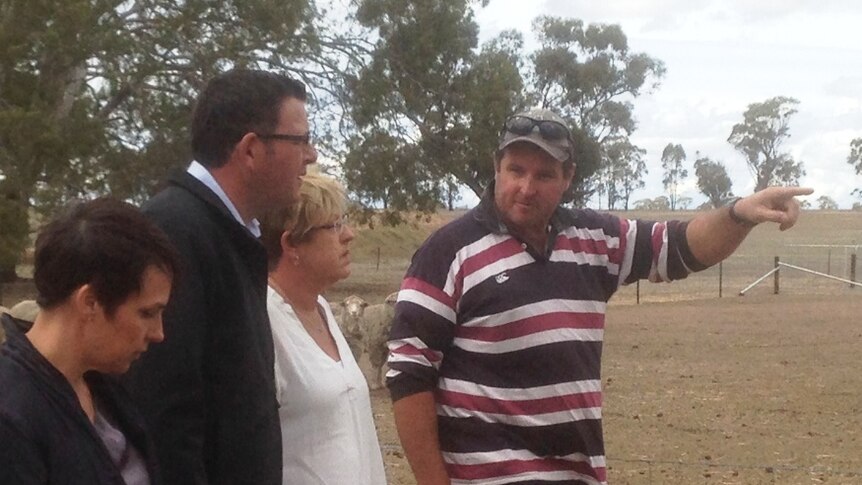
(321, 200)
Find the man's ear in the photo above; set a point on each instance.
(249, 149)
(569, 174)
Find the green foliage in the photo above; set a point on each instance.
(433, 98)
(588, 75)
(96, 95)
(712, 180)
(660, 203)
(671, 161)
(759, 137)
(855, 157)
(431, 87)
(622, 171)
(826, 203)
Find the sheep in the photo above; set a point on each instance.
(349, 319)
(25, 311)
(376, 323)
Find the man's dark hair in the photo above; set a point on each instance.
(237, 102)
(106, 243)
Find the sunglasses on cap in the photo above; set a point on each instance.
(523, 125)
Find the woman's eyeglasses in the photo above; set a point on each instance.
(550, 130)
(337, 226)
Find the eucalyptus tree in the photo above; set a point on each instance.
(713, 181)
(760, 136)
(672, 158)
(622, 172)
(826, 203)
(855, 160)
(433, 98)
(96, 95)
(589, 75)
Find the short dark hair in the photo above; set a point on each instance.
(237, 102)
(106, 243)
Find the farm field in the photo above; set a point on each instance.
(742, 390)
(761, 389)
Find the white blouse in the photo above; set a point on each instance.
(327, 428)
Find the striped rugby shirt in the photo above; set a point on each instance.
(510, 340)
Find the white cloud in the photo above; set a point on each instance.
(722, 56)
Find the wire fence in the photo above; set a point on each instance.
(744, 268)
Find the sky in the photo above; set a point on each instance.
(721, 56)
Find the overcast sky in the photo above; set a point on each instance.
(722, 56)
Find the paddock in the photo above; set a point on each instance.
(764, 389)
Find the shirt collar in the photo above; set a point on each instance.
(201, 173)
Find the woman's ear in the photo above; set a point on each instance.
(85, 301)
(288, 249)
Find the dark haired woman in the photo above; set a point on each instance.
(103, 274)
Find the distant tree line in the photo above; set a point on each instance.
(95, 98)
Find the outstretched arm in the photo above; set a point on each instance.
(714, 235)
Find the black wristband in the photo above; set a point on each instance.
(736, 217)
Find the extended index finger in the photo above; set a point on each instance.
(795, 191)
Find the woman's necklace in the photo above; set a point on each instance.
(312, 320)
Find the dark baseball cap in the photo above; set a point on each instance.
(541, 127)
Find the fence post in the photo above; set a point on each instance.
(775, 288)
(638, 292)
(853, 269)
(720, 277)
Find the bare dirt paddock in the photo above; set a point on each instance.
(759, 389)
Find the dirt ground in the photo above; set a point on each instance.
(743, 390)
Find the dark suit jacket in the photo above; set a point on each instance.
(208, 390)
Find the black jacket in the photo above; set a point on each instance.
(207, 392)
(45, 436)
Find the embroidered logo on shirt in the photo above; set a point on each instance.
(501, 278)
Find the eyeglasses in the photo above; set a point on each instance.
(523, 125)
(301, 139)
(337, 226)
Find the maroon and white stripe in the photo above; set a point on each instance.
(534, 324)
(536, 406)
(511, 466)
(658, 270)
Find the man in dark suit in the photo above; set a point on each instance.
(207, 391)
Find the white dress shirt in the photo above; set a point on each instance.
(201, 173)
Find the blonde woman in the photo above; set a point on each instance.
(328, 434)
